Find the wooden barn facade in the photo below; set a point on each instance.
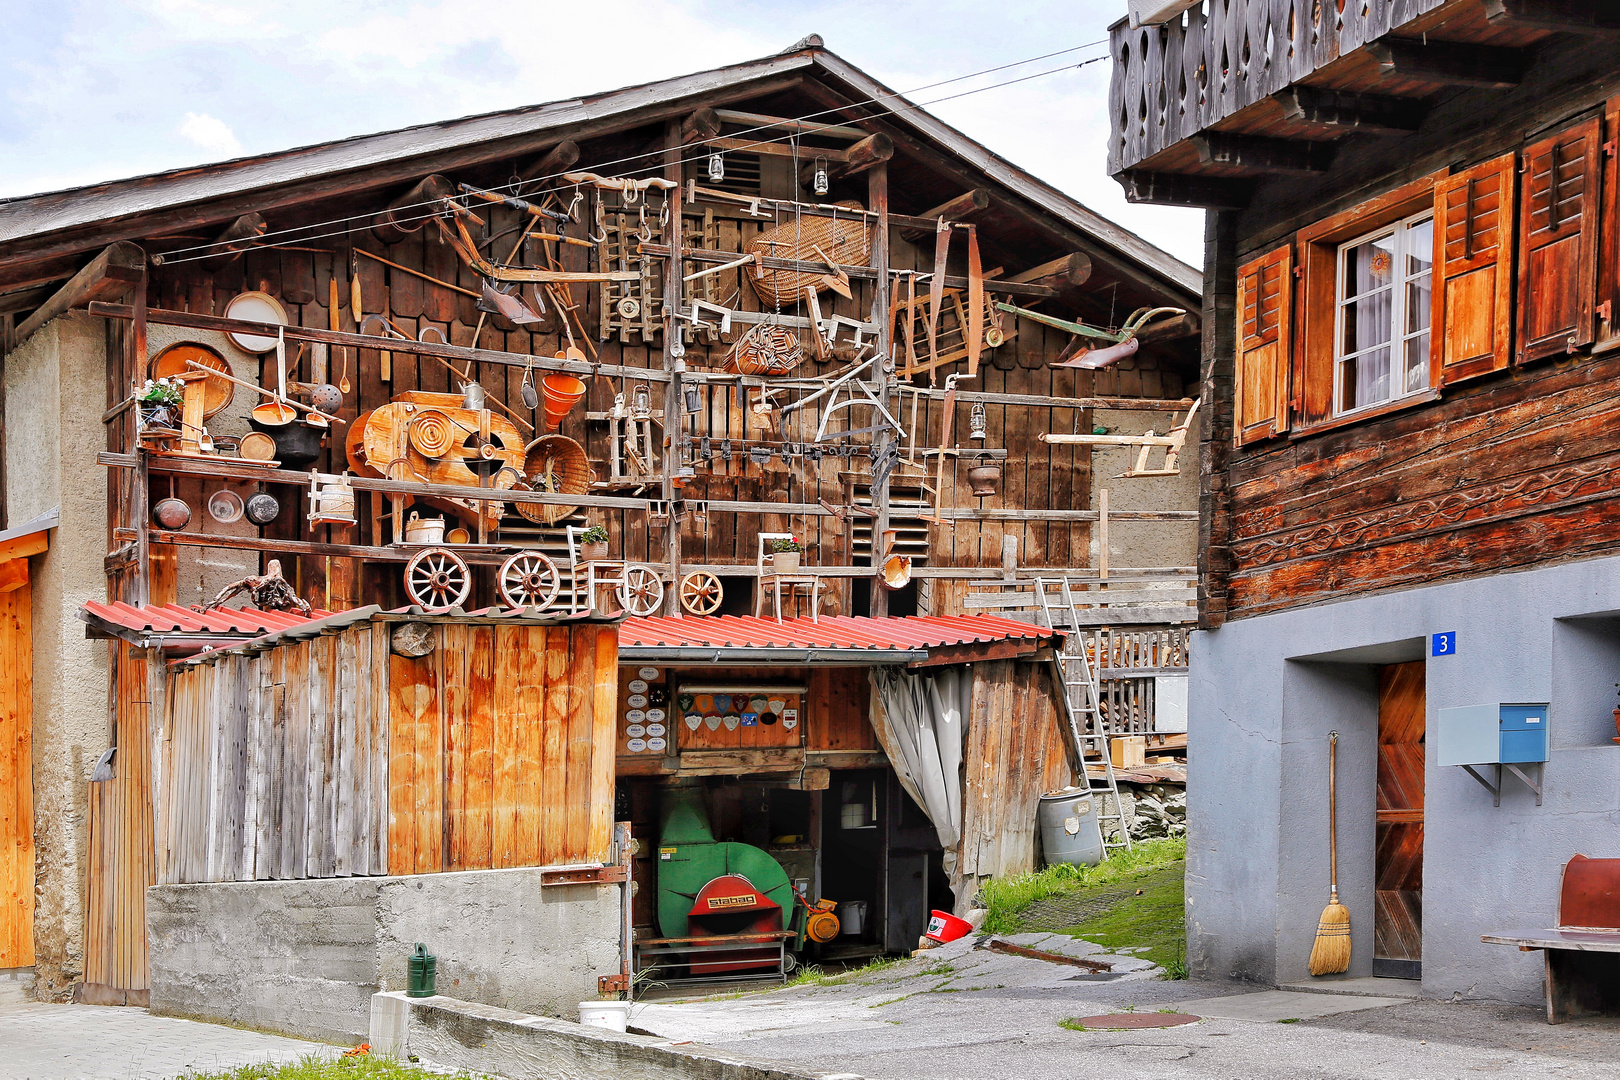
(764, 343)
(1412, 269)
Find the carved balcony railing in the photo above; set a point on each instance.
(1173, 81)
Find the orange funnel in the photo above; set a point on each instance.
(559, 394)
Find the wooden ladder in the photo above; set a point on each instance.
(1081, 697)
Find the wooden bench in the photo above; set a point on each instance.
(1583, 950)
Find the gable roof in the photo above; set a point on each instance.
(77, 220)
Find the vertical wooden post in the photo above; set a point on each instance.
(138, 502)
(674, 363)
(1102, 533)
(877, 188)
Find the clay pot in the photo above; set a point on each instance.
(593, 551)
(983, 478)
(785, 562)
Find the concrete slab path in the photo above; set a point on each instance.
(1272, 1006)
(41, 1041)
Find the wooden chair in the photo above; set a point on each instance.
(809, 581)
(1583, 950)
(638, 587)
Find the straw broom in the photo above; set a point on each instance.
(1331, 953)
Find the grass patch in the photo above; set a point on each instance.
(1153, 922)
(811, 975)
(1072, 1025)
(361, 1067)
(1006, 898)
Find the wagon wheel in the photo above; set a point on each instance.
(701, 592)
(437, 580)
(528, 579)
(642, 591)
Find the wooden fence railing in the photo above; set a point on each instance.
(1171, 82)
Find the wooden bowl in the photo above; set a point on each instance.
(257, 446)
(177, 360)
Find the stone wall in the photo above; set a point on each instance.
(304, 957)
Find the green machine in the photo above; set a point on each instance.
(689, 858)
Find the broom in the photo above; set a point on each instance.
(1331, 953)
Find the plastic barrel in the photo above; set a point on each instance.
(1070, 832)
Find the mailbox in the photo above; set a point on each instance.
(1492, 734)
(1524, 733)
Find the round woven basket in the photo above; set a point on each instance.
(556, 464)
(844, 240)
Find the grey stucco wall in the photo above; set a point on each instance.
(305, 957)
(1266, 691)
(1145, 543)
(55, 389)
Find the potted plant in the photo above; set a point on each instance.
(593, 543)
(158, 403)
(785, 554)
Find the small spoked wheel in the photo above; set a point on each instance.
(437, 580)
(701, 592)
(529, 579)
(642, 591)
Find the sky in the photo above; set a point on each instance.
(98, 90)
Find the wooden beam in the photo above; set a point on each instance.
(1261, 154)
(25, 299)
(1179, 189)
(803, 127)
(1450, 63)
(1562, 16)
(13, 575)
(1064, 272)
(1182, 326)
(553, 163)
(21, 547)
(1340, 112)
(407, 214)
(870, 151)
(962, 208)
(1034, 290)
(239, 236)
(110, 274)
(702, 124)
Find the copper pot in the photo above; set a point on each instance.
(171, 514)
(983, 478)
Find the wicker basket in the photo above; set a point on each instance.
(845, 240)
(765, 350)
(556, 464)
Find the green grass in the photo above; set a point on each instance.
(1072, 1025)
(1006, 898)
(811, 975)
(363, 1067)
(1153, 922)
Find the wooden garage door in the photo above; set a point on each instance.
(16, 782)
(1398, 922)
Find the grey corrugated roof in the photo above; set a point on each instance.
(36, 217)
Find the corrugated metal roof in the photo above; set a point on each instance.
(832, 632)
(164, 619)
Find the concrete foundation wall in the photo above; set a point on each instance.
(1266, 691)
(304, 957)
(55, 389)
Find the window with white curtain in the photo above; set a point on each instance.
(1382, 334)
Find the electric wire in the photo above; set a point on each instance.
(206, 251)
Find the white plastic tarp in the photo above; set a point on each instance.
(921, 720)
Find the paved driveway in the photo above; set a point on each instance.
(46, 1042)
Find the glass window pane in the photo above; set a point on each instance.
(1369, 265)
(1417, 304)
(1364, 380)
(1417, 363)
(1419, 247)
(1367, 322)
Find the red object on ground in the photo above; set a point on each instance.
(728, 905)
(943, 927)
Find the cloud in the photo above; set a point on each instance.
(212, 135)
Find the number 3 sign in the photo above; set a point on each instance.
(1444, 644)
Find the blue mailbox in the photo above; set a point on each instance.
(1524, 733)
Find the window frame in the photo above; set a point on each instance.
(1396, 343)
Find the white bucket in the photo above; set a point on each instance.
(613, 1015)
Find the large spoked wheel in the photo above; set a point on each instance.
(529, 579)
(642, 592)
(701, 592)
(437, 580)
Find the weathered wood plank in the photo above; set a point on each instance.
(508, 726)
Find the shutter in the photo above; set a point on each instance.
(1264, 312)
(1609, 230)
(1473, 292)
(1558, 193)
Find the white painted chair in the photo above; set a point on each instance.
(638, 587)
(769, 576)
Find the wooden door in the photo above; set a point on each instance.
(1398, 921)
(16, 782)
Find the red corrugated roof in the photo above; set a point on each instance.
(174, 619)
(832, 632)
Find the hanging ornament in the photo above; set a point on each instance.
(976, 422)
(820, 180)
(717, 168)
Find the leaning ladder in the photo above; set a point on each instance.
(1081, 698)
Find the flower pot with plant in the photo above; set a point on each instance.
(158, 403)
(785, 551)
(593, 543)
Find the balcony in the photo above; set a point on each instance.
(1210, 101)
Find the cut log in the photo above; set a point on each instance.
(962, 208)
(239, 236)
(1064, 272)
(553, 163)
(408, 213)
(870, 151)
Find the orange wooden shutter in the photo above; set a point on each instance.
(1558, 236)
(1265, 328)
(1609, 230)
(1473, 290)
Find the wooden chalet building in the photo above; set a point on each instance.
(751, 304)
(1409, 497)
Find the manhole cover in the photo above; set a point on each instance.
(1135, 1020)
